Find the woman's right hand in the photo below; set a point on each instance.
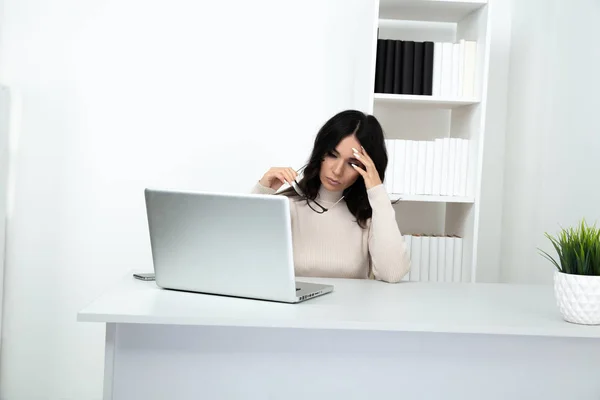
(276, 177)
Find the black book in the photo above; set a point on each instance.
(428, 69)
(408, 60)
(380, 66)
(388, 81)
(398, 67)
(418, 68)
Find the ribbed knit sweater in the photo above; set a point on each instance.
(333, 245)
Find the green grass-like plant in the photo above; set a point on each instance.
(578, 250)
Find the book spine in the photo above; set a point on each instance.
(441, 259)
(380, 66)
(408, 61)
(399, 166)
(437, 69)
(445, 166)
(408, 241)
(408, 166)
(429, 161)
(415, 272)
(419, 53)
(437, 167)
(457, 261)
(446, 77)
(457, 167)
(449, 259)
(388, 83)
(421, 166)
(414, 178)
(455, 68)
(470, 68)
(461, 68)
(388, 181)
(464, 167)
(433, 258)
(451, 167)
(428, 68)
(424, 259)
(398, 67)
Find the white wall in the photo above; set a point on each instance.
(122, 94)
(4, 162)
(553, 130)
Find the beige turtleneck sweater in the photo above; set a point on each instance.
(333, 245)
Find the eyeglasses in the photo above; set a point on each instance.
(320, 209)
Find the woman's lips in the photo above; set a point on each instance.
(333, 182)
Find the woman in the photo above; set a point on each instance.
(343, 223)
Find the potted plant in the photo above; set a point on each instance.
(577, 278)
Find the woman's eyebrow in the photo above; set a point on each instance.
(351, 158)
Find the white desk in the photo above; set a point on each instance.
(367, 339)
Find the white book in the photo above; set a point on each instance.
(455, 68)
(441, 259)
(429, 167)
(437, 167)
(408, 242)
(415, 259)
(446, 78)
(470, 68)
(437, 69)
(408, 165)
(388, 182)
(457, 262)
(451, 167)
(424, 259)
(414, 167)
(445, 166)
(464, 167)
(449, 260)
(399, 164)
(457, 167)
(433, 259)
(461, 67)
(421, 166)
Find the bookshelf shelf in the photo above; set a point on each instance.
(423, 101)
(429, 10)
(431, 199)
(385, 23)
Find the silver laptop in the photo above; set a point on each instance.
(226, 244)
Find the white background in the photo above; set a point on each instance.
(552, 131)
(118, 95)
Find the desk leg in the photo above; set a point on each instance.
(109, 360)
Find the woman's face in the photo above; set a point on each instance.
(337, 172)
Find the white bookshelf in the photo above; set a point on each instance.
(427, 118)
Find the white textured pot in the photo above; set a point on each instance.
(578, 297)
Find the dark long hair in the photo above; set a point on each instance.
(369, 133)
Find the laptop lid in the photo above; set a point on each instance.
(228, 244)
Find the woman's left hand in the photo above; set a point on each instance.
(369, 174)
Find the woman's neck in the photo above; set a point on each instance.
(328, 195)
